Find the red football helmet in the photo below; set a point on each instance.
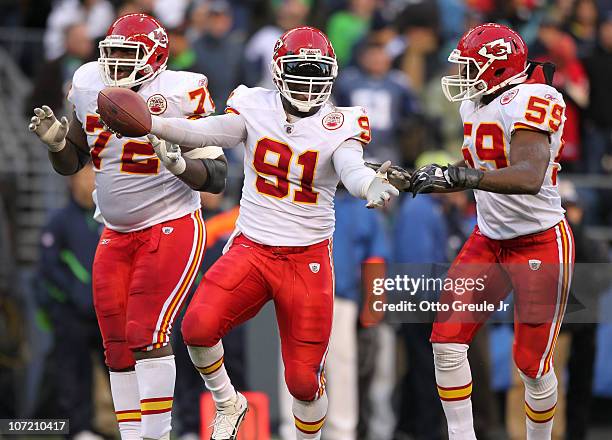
(144, 39)
(304, 67)
(490, 57)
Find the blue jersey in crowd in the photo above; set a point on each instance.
(388, 101)
(420, 232)
(68, 246)
(359, 236)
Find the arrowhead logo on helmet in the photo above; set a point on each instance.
(497, 50)
(159, 36)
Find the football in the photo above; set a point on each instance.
(124, 111)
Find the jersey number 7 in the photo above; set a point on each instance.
(130, 149)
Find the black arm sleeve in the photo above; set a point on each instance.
(217, 173)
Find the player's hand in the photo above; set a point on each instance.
(169, 154)
(428, 179)
(397, 176)
(432, 178)
(380, 190)
(51, 131)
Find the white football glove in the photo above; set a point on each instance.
(169, 154)
(51, 131)
(380, 190)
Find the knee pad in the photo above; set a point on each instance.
(118, 356)
(449, 356)
(302, 382)
(201, 327)
(542, 387)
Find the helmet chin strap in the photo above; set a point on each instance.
(294, 111)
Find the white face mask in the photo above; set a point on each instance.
(304, 92)
(140, 70)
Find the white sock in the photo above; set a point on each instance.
(126, 400)
(454, 381)
(309, 417)
(156, 378)
(209, 362)
(540, 404)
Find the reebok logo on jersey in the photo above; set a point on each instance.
(534, 264)
(105, 241)
(157, 104)
(314, 267)
(167, 230)
(333, 121)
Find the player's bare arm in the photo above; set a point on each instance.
(529, 158)
(66, 141)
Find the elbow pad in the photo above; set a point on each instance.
(217, 172)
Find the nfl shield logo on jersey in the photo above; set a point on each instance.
(157, 104)
(534, 264)
(167, 230)
(314, 267)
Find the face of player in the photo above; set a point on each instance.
(302, 90)
(125, 54)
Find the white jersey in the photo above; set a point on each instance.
(488, 131)
(290, 179)
(133, 189)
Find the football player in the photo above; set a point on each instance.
(513, 122)
(153, 242)
(298, 147)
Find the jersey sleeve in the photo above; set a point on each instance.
(196, 100)
(357, 124)
(236, 99)
(84, 88)
(536, 107)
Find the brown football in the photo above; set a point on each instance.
(124, 111)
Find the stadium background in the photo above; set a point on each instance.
(391, 55)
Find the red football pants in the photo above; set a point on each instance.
(537, 267)
(140, 281)
(300, 282)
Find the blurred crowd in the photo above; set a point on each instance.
(392, 54)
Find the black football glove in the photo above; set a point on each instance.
(433, 177)
(397, 176)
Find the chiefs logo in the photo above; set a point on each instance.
(159, 36)
(278, 45)
(157, 104)
(509, 96)
(333, 121)
(496, 50)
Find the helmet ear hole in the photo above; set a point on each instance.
(500, 72)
